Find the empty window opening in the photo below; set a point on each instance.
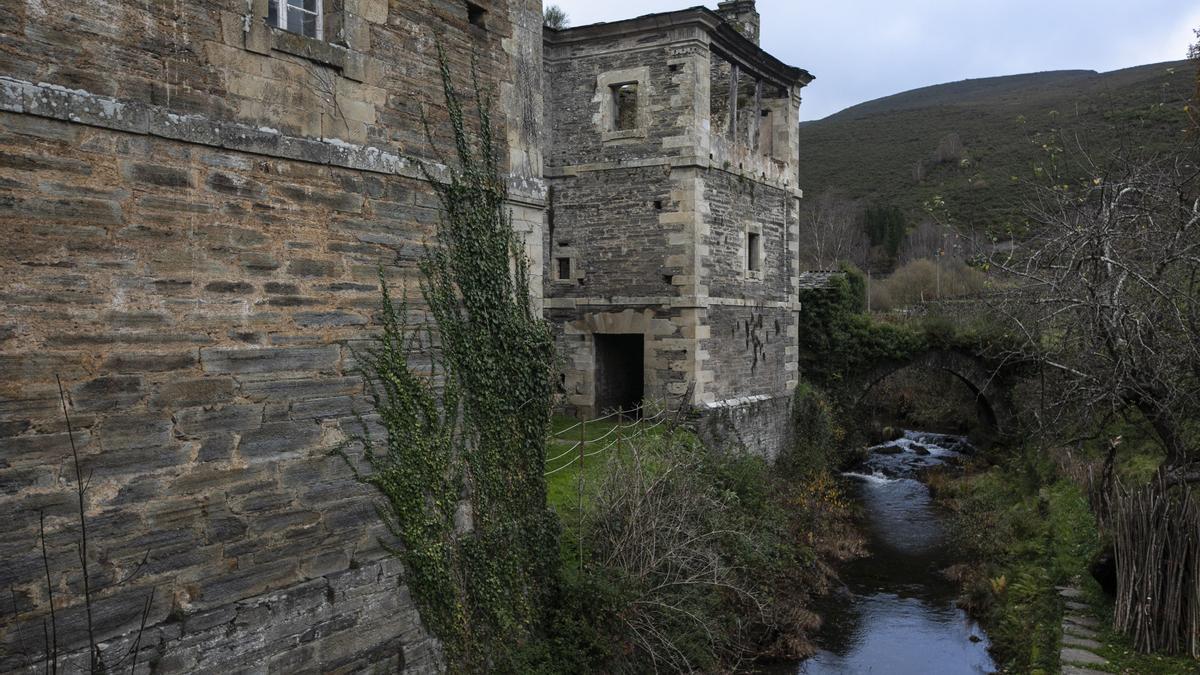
(619, 372)
(658, 204)
(753, 251)
(766, 134)
(625, 106)
(722, 101)
(563, 269)
(476, 15)
(302, 17)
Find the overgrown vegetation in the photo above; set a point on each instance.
(1025, 527)
(555, 17)
(1025, 532)
(695, 558)
(886, 228)
(838, 339)
(460, 465)
(925, 280)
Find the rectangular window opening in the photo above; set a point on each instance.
(753, 251)
(563, 269)
(625, 106)
(477, 15)
(302, 17)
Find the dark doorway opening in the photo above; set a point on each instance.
(619, 368)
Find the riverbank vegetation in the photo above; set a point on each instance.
(1023, 522)
(689, 558)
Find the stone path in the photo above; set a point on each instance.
(1079, 643)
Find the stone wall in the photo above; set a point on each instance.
(757, 424)
(196, 209)
(608, 224)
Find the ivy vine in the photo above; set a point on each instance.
(458, 452)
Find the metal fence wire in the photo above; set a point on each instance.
(619, 433)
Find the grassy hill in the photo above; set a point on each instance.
(973, 143)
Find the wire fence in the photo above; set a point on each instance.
(627, 426)
(642, 420)
(619, 433)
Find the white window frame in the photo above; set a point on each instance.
(281, 10)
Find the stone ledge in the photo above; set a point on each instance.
(686, 302)
(739, 401)
(679, 162)
(82, 107)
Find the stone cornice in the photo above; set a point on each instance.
(682, 162)
(83, 107)
(724, 38)
(687, 302)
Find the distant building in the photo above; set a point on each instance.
(672, 238)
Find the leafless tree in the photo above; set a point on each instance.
(655, 521)
(554, 17)
(1194, 55)
(1109, 301)
(831, 232)
(949, 149)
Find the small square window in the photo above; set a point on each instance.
(753, 252)
(476, 15)
(302, 17)
(625, 106)
(562, 269)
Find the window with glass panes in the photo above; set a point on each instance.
(296, 16)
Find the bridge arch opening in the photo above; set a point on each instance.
(936, 391)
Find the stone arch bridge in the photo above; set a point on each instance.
(990, 382)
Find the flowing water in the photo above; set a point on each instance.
(897, 615)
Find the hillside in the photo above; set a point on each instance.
(973, 143)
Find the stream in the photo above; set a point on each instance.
(897, 613)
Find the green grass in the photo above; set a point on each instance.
(563, 488)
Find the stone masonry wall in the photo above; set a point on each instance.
(751, 344)
(200, 306)
(196, 208)
(735, 206)
(608, 223)
(757, 424)
(578, 96)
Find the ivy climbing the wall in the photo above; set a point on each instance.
(839, 339)
(458, 453)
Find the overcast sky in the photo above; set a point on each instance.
(864, 49)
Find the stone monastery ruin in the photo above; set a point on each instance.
(197, 197)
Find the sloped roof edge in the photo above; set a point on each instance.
(726, 40)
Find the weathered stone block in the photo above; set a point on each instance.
(107, 393)
(203, 420)
(299, 389)
(192, 392)
(157, 174)
(311, 268)
(277, 441)
(271, 359)
(231, 287)
(150, 362)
